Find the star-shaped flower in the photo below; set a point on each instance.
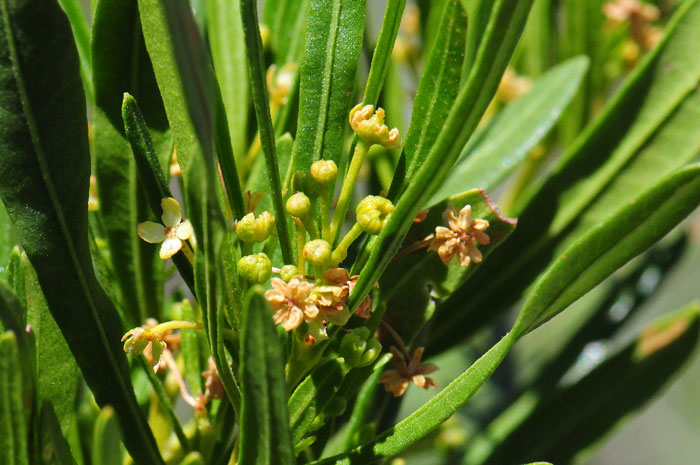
(396, 381)
(142, 340)
(461, 236)
(340, 277)
(291, 302)
(176, 229)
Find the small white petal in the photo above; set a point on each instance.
(151, 232)
(171, 211)
(184, 230)
(170, 247)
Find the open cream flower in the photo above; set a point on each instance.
(291, 302)
(461, 237)
(341, 278)
(396, 381)
(176, 229)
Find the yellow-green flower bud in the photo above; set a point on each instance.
(253, 228)
(324, 172)
(287, 272)
(373, 212)
(357, 350)
(255, 268)
(136, 340)
(299, 205)
(318, 252)
(370, 127)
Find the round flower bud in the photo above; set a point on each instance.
(318, 252)
(373, 212)
(324, 172)
(299, 205)
(255, 229)
(255, 268)
(374, 348)
(357, 350)
(287, 272)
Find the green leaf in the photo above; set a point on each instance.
(225, 34)
(106, 449)
(265, 436)
(256, 67)
(643, 135)
(333, 42)
(54, 446)
(313, 395)
(15, 279)
(7, 239)
(45, 170)
(607, 247)
(413, 280)
(120, 64)
(617, 388)
(496, 151)
(81, 33)
(431, 414)
(503, 32)
(56, 370)
(381, 58)
(13, 428)
(435, 96)
(150, 173)
(286, 21)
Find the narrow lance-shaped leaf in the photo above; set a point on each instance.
(436, 95)
(497, 151)
(106, 449)
(81, 33)
(121, 64)
(45, 174)
(613, 243)
(56, 371)
(13, 427)
(617, 388)
(256, 67)
(431, 414)
(506, 26)
(265, 436)
(54, 446)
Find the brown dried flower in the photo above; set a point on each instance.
(396, 381)
(461, 237)
(291, 302)
(341, 277)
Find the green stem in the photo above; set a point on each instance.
(181, 324)
(326, 200)
(346, 192)
(301, 241)
(341, 251)
(310, 227)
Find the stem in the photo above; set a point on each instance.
(341, 251)
(181, 324)
(348, 188)
(310, 227)
(326, 200)
(301, 241)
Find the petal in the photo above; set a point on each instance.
(151, 232)
(398, 360)
(336, 276)
(444, 233)
(481, 238)
(418, 380)
(310, 311)
(474, 253)
(427, 369)
(279, 285)
(449, 217)
(446, 252)
(184, 230)
(464, 258)
(171, 211)
(465, 217)
(480, 225)
(294, 319)
(170, 247)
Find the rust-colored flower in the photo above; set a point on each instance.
(396, 381)
(461, 237)
(291, 302)
(341, 278)
(639, 15)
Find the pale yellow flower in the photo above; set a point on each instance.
(396, 381)
(461, 237)
(369, 126)
(176, 229)
(290, 302)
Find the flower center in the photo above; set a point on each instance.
(171, 232)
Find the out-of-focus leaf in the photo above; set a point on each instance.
(607, 247)
(225, 33)
(13, 427)
(575, 418)
(256, 67)
(411, 279)
(15, 279)
(286, 21)
(56, 369)
(265, 436)
(7, 239)
(106, 449)
(507, 140)
(506, 25)
(643, 135)
(45, 170)
(431, 414)
(54, 446)
(81, 33)
(435, 96)
(121, 64)
(333, 42)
